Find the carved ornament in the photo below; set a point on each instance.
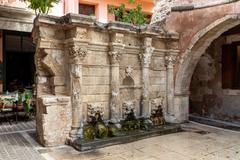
(115, 56)
(170, 60)
(128, 71)
(128, 107)
(95, 112)
(78, 52)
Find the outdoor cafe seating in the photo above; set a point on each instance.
(11, 104)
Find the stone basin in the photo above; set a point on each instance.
(124, 137)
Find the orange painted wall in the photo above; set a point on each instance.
(102, 7)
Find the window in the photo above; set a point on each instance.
(231, 66)
(87, 9)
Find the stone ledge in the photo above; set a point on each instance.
(16, 13)
(74, 20)
(49, 100)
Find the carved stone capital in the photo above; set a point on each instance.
(170, 60)
(115, 56)
(76, 52)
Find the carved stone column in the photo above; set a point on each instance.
(76, 55)
(170, 61)
(145, 61)
(116, 50)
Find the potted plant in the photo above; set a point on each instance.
(134, 16)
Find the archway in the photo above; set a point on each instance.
(187, 64)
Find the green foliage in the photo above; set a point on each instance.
(134, 16)
(131, 1)
(26, 99)
(41, 6)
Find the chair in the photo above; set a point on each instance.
(8, 106)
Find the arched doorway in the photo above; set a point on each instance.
(198, 46)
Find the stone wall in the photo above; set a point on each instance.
(207, 97)
(96, 66)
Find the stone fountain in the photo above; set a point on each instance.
(104, 76)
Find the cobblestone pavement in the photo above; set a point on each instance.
(197, 143)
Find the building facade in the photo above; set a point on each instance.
(187, 59)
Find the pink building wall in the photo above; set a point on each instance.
(72, 6)
(102, 7)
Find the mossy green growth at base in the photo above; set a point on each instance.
(112, 130)
(101, 130)
(88, 132)
(131, 125)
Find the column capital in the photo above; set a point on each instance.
(170, 60)
(77, 54)
(115, 56)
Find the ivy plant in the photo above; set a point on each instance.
(134, 16)
(41, 6)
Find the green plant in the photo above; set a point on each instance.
(134, 16)
(41, 6)
(26, 100)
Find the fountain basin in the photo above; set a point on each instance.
(124, 137)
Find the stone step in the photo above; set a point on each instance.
(215, 123)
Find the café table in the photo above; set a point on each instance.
(9, 105)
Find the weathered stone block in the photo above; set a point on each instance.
(53, 118)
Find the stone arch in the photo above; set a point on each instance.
(187, 63)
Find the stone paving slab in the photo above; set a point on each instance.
(15, 147)
(21, 126)
(199, 143)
